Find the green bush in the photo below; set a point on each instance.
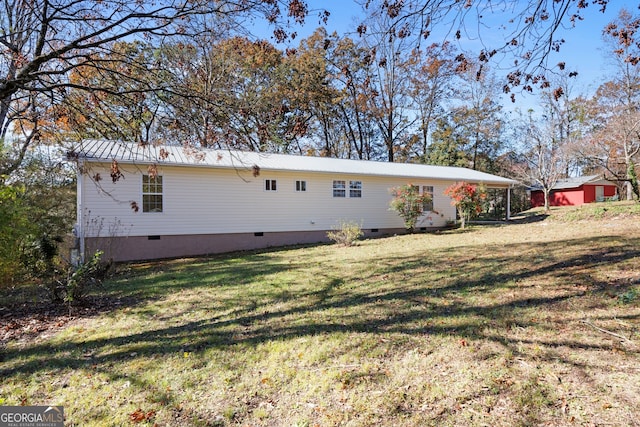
(79, 280)
(37, 209)
(40, 259)
(14, 231)
(72, 284)
(346, 233)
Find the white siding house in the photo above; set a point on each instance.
(174, 202)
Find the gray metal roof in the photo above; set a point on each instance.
(102, 150)
(575, 182)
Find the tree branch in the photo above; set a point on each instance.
(604, 331)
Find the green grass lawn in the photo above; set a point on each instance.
(520, 324)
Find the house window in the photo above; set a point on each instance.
(427, 190)
(270, 185)
(151, 193)
(339, 189)
(355, 188)
(301, 185)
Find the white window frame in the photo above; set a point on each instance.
(428, 190)
(355, 189)
(301, 185)
(150, 191)
(339, 190)
(270, 185)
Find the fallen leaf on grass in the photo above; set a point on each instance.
(139, 415)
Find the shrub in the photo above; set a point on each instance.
(40, 258)
(467, 198)
(346, 233)
(14, 229)
(74, 285)
(37, 205)
(79, 280)
(408, 203)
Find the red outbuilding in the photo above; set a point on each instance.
(576, 191)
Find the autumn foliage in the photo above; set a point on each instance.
(408, 203)
(467, 198)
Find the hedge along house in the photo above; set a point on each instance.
(172, 201)
(576, 191)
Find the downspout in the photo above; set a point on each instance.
(79, 216)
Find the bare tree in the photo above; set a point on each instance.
(43, 41)
(389, 89)
(613, 145)
(527, 29)
(542, 159)
(613, 140)
(349, 75)
(431, 85)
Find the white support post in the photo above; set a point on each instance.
(508, 203)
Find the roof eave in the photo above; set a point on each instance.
(494, 184)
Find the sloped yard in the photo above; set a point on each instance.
(522, 324)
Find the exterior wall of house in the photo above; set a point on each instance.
(210, 210)
(610, 190)
(137, 248)
(537, 198)
(572, 196)
(567, 197)
(590, 192)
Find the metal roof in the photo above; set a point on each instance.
(575, 182)
(103, 150)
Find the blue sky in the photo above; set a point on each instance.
(582, 52)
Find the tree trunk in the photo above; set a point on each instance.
(632, 183)
(546, 200)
